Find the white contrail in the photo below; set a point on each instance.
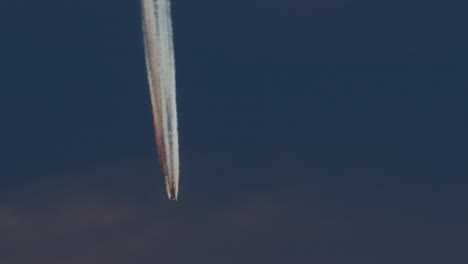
(157, 30)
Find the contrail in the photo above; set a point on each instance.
(159, 49)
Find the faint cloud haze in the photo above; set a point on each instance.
(95, 217)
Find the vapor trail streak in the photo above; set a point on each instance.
(157, 30)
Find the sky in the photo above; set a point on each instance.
(310, 131)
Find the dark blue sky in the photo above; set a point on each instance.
(311, 131)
